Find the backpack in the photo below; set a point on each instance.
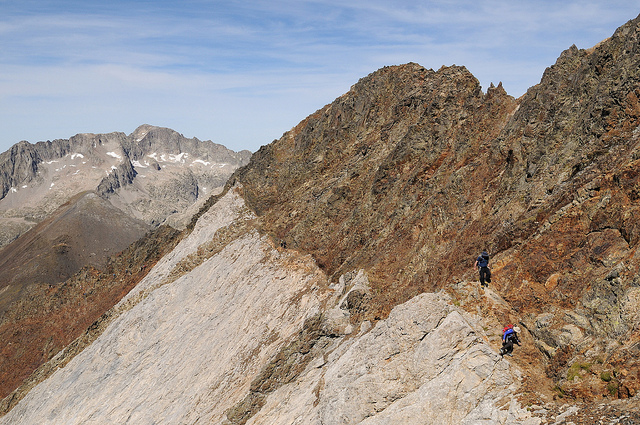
(506, 328)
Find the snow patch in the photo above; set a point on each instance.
(113, 154)
(51, 162)
(76, 155)
(13, 189)
(181, 157)
(200, 161)
(207, 163)
(24, 187)
(137, 164)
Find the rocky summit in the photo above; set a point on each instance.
(332, 281)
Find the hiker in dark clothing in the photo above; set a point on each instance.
(509, 337)
(482, 264)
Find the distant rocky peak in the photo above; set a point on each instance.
(148, 140)
(141, 132)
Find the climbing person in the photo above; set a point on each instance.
(509, 337)
(482, 264)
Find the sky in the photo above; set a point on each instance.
(241, 73)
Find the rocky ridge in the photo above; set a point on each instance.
(340, 259)
(414, 172)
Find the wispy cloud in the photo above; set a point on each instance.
(243, 72)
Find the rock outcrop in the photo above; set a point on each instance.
(423, 364)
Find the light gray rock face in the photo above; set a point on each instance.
(424, 364)
(194, 336)
(188, 348)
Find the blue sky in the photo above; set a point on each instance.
(241, 73)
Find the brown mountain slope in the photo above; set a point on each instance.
(386, 178)
(413, 172)
(84, 231)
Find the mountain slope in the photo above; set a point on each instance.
(413, 172)
(332, 281)
(47, 318)
(84, 231)
(225, 279)
(390, 167)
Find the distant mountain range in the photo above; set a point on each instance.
(154, 174)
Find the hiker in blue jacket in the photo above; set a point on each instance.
(509, 337)
(482, 264)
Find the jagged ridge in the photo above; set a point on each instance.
(413, 172)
